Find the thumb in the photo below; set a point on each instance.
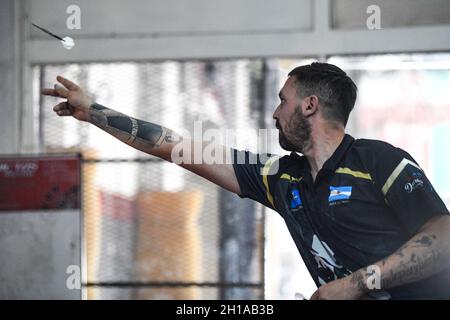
(61, 91)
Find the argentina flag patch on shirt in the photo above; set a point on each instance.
(339, 193)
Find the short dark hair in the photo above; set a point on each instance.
(334, 88)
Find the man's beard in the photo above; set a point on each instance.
(297, 136)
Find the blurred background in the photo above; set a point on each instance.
(148, 229)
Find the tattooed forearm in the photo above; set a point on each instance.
(138, 133)
(416, 266)
(416, 260)
(427, 253)
(358, 280)
(425, 241)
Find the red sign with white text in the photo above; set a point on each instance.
(39, 183)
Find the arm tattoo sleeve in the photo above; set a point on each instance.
(419, 258)
(359, 281)
(416, 260)
(128, 129)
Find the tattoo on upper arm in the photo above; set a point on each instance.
(151, 134)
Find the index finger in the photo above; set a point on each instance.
(67, 83)
(49, 92)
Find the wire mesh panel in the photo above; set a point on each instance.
(152, 229)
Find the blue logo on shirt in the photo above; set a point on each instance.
(296, 201)
(339, 193)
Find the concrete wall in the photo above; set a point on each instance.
(36, 249)
(350, 14)
(116, 18)
(142, 30)
(9, 69)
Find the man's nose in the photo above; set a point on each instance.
(275, 113)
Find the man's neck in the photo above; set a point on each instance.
(324, 144)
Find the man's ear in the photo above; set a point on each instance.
(310, 105)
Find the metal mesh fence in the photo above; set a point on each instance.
(152, 229)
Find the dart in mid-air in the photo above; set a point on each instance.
(67, 42)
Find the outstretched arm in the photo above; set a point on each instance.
(145, 136)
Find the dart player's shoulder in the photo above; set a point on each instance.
(372, 145)
(375, 153)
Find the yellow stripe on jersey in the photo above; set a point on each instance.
(394, 175)
(288, 177)
(265, 172)
(356, 174)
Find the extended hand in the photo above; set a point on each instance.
(77, 103)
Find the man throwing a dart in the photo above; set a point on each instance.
(365, 218)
